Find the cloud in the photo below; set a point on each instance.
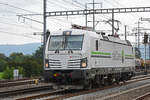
(8, 15)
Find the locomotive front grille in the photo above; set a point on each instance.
(64, 61)
(74, 63)
(55, 63)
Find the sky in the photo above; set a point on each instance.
(18, 30)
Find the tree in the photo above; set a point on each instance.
(28, 65)
(8, 72)
(21, 71)
(3, 62)
(16, 57)
(38, 53)
(2, 56)
(38, 56)
(32, 68)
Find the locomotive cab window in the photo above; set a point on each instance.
(96, 44)
(65, 42)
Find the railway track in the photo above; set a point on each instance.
(63, 94)
(144, 97)
(25, 90)
(5, 81)
(54, 92)
(16, 82)
(10, 83)
(140, 76)
(131, 94)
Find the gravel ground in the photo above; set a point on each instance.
(100, 94)
(130, 94)
(147, 98)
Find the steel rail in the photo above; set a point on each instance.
(2, 81)
(143, 96)
(54, 92)
(25, 90)
(17, 83)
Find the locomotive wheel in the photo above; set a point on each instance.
(106, 82)
(102, 81)
(110, 79)
(97, 81)
(117, 80)
(88, 84)
(46, 79)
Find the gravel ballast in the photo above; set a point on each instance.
(99, 95)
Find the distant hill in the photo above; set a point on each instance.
(24, 48)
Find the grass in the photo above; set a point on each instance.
(1, 74)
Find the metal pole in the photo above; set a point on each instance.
(44, 29)
(93, 16)
(125, 32)
(136, 39)
(86, 15)
(149, 52)
(113, 22)
(138, 35)
(145, 61)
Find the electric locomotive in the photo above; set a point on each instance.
(87, 58)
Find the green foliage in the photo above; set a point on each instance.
(28, 65)
(38, 53)
(8, 73)
(32, 68)
(3, 62)
(2, 56)
(21, 71)
(16, 57)
(1, 75)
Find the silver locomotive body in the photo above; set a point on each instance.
(87, 58)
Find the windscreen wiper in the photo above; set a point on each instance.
(57, 51)
(70, 51)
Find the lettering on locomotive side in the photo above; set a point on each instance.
(116, 55)
(101, 54)
(74, 56)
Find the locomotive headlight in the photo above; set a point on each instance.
(84, 62)
(46, 64)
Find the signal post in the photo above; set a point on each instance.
(145, 42)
